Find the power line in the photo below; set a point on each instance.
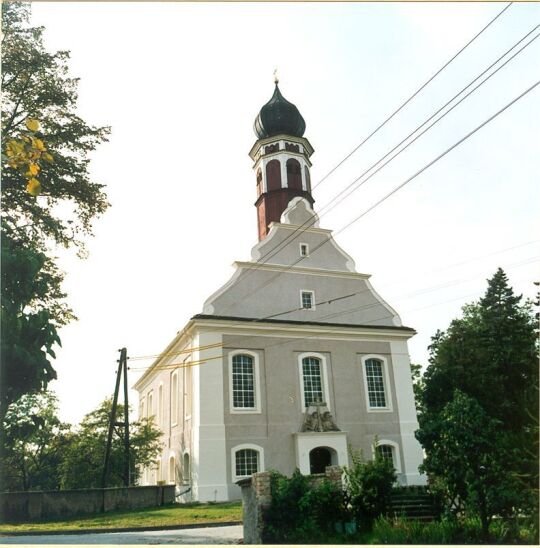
(399, 187)
(412, 96)
(340, 196)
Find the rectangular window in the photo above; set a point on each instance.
(386, 453)
(304, 250)
(375, 383)
(243, 381)
(311, 372)
(247, 461)
(307, 300)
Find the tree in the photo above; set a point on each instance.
(28, 334)
(490, 356)
(36, 442)
(42, 136)
(36, 85)
(82, 466)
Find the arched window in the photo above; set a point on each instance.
(160, 406)
(244, 388)
(259, 182)
(174, 398)
(185, 469)
(158, 470)
(172, 471)
(312, 380)
(389, 450)
(376, 384)
(294, 174)
(150, 408)
(273, 175)
(308, 179)
(246, 459)
(243, 381)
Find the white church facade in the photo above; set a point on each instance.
(293, 360)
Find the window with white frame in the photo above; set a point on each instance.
(172, 474)
(150, 407)
(374, 374)
(246, 459)
(244, 385)
(307, 299)
(174, 398)
(312, 380)
(386, 452)
(160, 406)
(243, 381)
(304, 250)
(389, 450)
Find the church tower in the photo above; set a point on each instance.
(281, 160)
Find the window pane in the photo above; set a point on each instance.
(311, 372)
(243, 381)
(307, 299)
(386, 452)
(375, 383)
(247, 462)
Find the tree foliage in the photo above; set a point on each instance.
(36, 443)
(36, 85)
(479, 403)
(82, 466)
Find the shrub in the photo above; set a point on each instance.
(369, 487)
(299, 512)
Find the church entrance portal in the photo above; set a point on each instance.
(319, 459)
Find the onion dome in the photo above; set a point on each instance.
(279, 116)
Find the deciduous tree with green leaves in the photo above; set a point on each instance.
(42, 138)
(483, 377)
(37, 441)
(82, 466)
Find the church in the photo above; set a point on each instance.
(292, 361)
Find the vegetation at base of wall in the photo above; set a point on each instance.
(300, 512)
(164, 516)
(465, 531)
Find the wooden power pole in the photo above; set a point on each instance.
(122, 367)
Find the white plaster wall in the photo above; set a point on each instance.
(209, 463)
(411, 449)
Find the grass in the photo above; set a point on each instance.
(173, 514)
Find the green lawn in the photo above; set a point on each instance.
(174, 514)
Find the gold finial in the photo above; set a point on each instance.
(276, 79)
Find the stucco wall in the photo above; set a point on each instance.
(38, 505)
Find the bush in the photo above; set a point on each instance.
(467, 531)
(369, 487)
(302, 513)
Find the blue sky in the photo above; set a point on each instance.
(181, 83)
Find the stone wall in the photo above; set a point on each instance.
(256, 497)
(40, 505)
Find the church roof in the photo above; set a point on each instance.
(277, 117)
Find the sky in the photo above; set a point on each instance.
(180, 85)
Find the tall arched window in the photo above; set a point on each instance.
(259, 182)
(172, 471)
(375, 383)
(308, 179)
(312, 379)
(386, 452)
(273, 175)
(185, 469)
(160, 406)
(174, 398)
(243, 381)
(294, 174)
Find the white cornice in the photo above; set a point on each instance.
(302, 331)
(301, 270)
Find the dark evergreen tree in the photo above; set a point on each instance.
(490, 356)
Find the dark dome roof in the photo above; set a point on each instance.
(279, 116)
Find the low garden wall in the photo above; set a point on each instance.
(39, 505)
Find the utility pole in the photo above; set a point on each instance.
(122, 367)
